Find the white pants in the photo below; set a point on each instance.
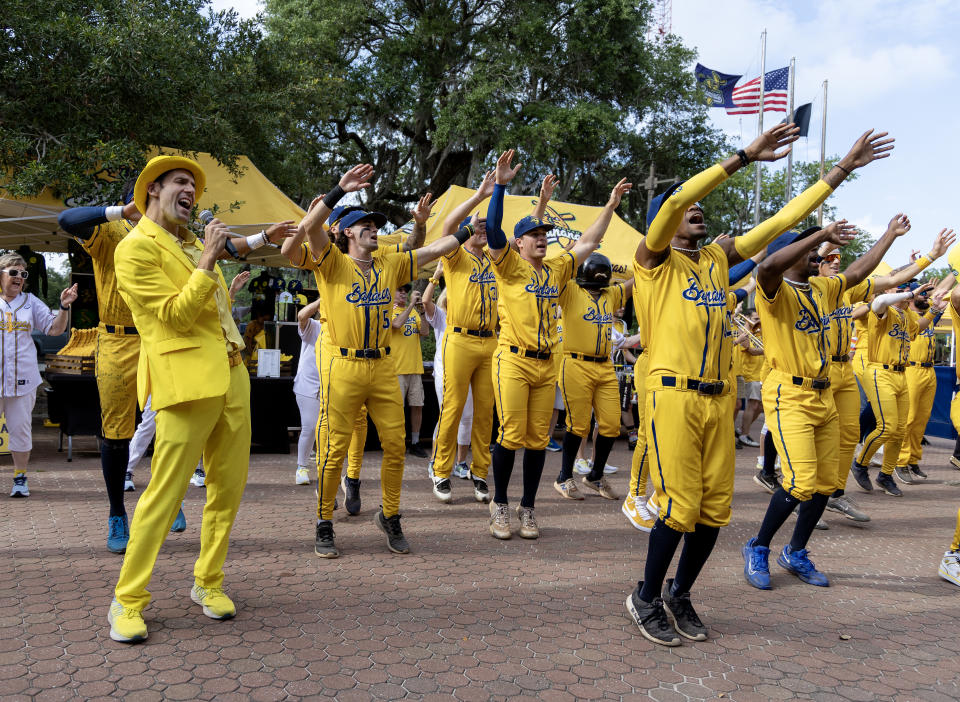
(309, 416)
(466, 419)
(144, 435)
(18, 416)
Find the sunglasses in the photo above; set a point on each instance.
(14, 272)
(830, 258)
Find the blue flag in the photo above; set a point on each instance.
(717, 86)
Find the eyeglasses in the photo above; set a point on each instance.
(14, 272)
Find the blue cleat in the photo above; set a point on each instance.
(118, 534)
(180, 523)
(799, 563)
(553, 446)
(756, 565)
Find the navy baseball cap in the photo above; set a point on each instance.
(788, 238)
(351, 218)
(339, 211)
(528, 224)
(909, 285)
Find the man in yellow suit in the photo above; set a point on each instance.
(191, 365)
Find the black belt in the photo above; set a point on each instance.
(840, 359)
(484, 333)
(110, 329)
(593, 359)
(815, 383)
(365, 353)
(704, 387)
(527, 353)
(923, 364)
(896, 369)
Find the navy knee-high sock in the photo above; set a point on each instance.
(868, 422)
(603, 447)
(697, 547)
(769, 455)
(781, 506)
(808, 514)
(532, 470)
(663, 544)
(571, 444)
(502, 460)
(114, 454)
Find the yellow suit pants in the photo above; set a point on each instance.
(590, 387)
(524, 389)
(806, 431)
(640, 465)
(117, 356)
(690, 443)
(467, 363)
(218, 428)
(349, 384)
(886, 392)
(846, 398)
(921, 387)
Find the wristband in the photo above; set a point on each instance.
(936, 318)
(255, 241)
(65, 309)
(464, 233)
(434, 281)
(333, 197)
(922, 262)
(742, 155)
(842, 168)
(113, 213)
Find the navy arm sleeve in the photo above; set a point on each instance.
(81, 221)
(741, 269)
(496, 239)
(740, 294)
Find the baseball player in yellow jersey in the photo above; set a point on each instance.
(468, 345)
(408, 328)
(355, 363)
(751, 370)
(682, 290)
(525, 364)
(949, 568)
(588, 380)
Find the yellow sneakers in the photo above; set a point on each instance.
(126, 625)
(215, 604)
(637, 513)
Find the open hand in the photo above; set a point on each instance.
(357, 178)
(281, 230)
(504, 171)
(765, 147)
(486, 185)
(238, 282)
(69, 295)
(944, 241)
(840, 233)
(550, 183)
(869, 147)
(619, 190)
(421, 212)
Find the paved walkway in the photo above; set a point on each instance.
(464, 615)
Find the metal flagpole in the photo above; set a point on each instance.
(823, 147)
(789, 192)
(763, 77)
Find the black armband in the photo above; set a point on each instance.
(742, 155)
(333, 197)
(464, 233)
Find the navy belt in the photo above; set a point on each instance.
(483, 333)
(111, 329)
(527, 353)
(923, 364)
(365, 353)
(895, 368)
(840, 359)
(703, 387)
(814, 383)
(592, 359)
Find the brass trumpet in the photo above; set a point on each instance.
(745, 326)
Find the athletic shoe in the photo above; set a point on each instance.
(955, 462)
(215, 604)
(637, 513)
(351, 494)
(481, 493)
(461, 470)
(528, 523)
(609, 469)
(118, 534)
(323, 544)
(126, 625)
(602, 487)
(500, 521)
(877, 459)
(748, 440)
(128, 485)
(582, 466)
(651, 619)
(917, 473)
(862, 475)
(391, 527)
(20, 488)
(885, 483)
(631, 440)
(430, 469)
(303, 476)
(652, 506)
(568, 489)
(756, 564)
(418, 451)
(845, 505)
(199, 477)
(799, 563)
(821, 525)
(180, 523)
(441, 489)
(685, 619)
(767, 482)
(553, 446)
(903, 475)
(950, 567)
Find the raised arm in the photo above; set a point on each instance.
(546, 193)
(421, 213)
(504, 173)
(357, 178)
(429, 306)
(81, 221)
(401, 319)
(881, 303)
(590, 239)
(901, 225)
(59, 323)
(770, 272)
(281, 231)
(290, 247)
(462, 211)
(306, 313)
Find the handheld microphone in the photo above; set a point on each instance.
(206, 216)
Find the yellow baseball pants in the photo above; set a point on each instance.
(640, 465)
(846, 398)
(955, 544)
(921, 388)
(117, 356)
(690, 444)
(218, 428)
(467, 363)
(359, 438)
(589, 387)
(886, 392)
(524, 389)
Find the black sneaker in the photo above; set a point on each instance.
(323, 544)
(885, 483)
(418, 451)
(903, 474)
(652, 619)
(441, 489)
(862, 475)
(915, 469)
(351, 494)
(685, 619)
(767, 482)
(391, 527)
(481, 493)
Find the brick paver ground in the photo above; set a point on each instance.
(465, 616)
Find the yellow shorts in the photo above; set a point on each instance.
(117, 357)
(590, 387)
(524, 389)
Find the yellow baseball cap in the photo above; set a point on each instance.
(159, 165)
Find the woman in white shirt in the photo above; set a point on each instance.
(306, 388)
(22, 312)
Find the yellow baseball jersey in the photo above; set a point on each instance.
(924, 344)
(796, 324)
(359, 307)
(861, 331)
(589, 321)
(113, 310)
(529, 299)
(405, 347)
(840, 335)
(681, 308)
(889, 338)
(751, 367)
(471, 291)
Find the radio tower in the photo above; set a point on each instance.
(662, 19)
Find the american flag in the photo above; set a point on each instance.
(746, 97)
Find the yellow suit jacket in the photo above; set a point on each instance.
(183, 353)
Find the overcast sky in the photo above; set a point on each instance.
(888, 65)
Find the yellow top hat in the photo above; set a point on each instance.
(159, 165)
